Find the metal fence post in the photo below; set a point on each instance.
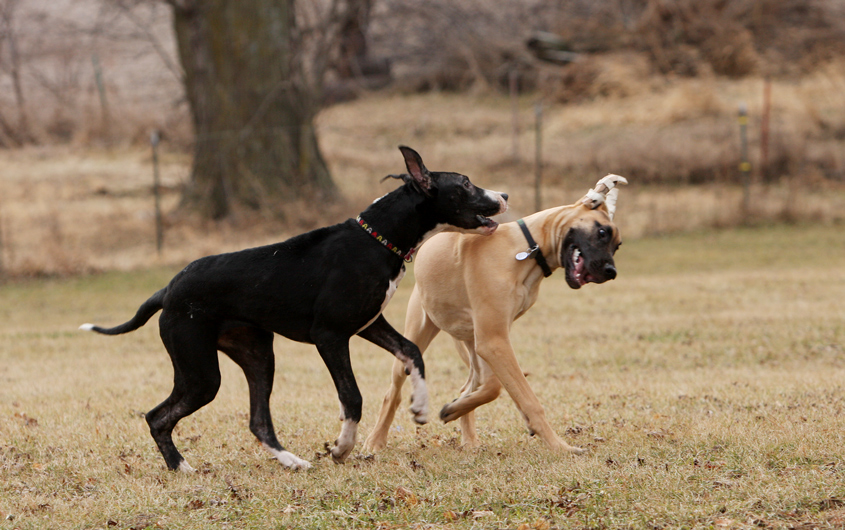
(764, 129)
(155, 138)
(538, 156)
(513, 85)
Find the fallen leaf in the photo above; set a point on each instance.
(541, 524)
(478, 514)
(404, 494)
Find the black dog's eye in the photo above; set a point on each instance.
(467, 184)
(602, 233)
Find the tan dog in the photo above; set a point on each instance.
(473, 288)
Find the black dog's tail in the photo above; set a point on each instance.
(147, 310)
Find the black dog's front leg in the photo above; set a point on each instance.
(335, 353)
(382, 334)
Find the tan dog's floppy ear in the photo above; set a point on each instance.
(605, 193)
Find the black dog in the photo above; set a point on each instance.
(321, 287)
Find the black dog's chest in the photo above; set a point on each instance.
(391, 290)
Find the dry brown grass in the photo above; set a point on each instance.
(706, 382)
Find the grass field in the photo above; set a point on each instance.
(706, 381)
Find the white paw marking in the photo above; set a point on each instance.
(346, 440)
(419, 397)
(288, 459)
(185, 467)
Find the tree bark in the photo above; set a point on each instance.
(253, 115)
(353, 38)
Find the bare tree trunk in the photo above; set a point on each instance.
(353, 40)
(253, 117)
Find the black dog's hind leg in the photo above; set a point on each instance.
(252, 349)
(196, 379)
(334, 349)
(382, 334)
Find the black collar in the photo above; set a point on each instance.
(534, 250)
(408, 257)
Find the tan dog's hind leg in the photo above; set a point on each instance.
(421, 331)
(498, 353)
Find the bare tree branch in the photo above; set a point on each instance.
(174, 68)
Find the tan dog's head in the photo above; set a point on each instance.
(592, 239)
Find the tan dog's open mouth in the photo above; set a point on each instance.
(576, 265)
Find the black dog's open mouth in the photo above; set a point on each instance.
(488, 226)
(576, 265)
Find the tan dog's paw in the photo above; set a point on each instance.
(375, 443)
(576, 450)
(448, 413)
(564, 447)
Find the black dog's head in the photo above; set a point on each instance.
(592, 239)
(457, 201)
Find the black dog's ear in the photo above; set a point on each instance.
(416, 168)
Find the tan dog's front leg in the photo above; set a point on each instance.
(481, 387)
(469, 434)
(497, 351)
(484, 388)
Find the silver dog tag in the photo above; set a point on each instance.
(522, 256)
